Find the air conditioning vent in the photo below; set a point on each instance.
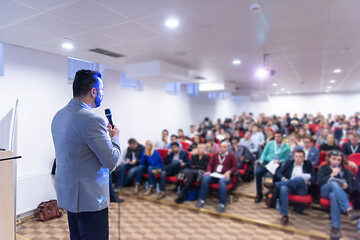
(107, 53)
(199, 78)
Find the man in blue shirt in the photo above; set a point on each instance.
(276, 151)
(311, 153)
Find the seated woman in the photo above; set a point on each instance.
(330, 144)
(199, 163)
(150, 160)
(336, 183)
(193, 147)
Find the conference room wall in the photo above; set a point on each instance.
(39, 81)
(334, 103)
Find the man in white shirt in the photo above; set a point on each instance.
(257, 137)
(248, 142)
(295, 176)
(193, 132)
(163, 143)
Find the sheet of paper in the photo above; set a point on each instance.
(272, 166)
(305, 176)
(216, 175)
(339, 180)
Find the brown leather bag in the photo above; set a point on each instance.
(48, 210)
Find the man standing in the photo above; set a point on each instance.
(295, 176)
(84, 155)
(223, 164)
(276, 151)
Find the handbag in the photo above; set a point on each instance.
(49, 210)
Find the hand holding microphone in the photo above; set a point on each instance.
(111, 128)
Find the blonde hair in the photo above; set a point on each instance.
(151, 148)
(201, 145)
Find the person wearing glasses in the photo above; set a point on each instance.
(311, 153)
(336, 183)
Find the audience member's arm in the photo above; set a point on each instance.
(279, 174)
(323, 175)
(316, 157)
(210, 165)
(186, 159)
(168, 158)
(142, 158)
(284, 154)
(158, 159)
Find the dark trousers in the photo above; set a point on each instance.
(89, 225)
(191, 176)
(260, 172)
(170, 170)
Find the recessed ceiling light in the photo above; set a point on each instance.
(236, 62)
(283, 89)
(338, 70)
(329, 87)
(332, 81)
(67, 45)
(172, 23)
(262, 73)
(274, 84)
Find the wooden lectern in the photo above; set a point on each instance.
(7, 195)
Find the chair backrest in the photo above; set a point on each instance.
(322, 157)
(313, 127)
(163, 153)
(185, 145)
(318, 146)
(355, 158)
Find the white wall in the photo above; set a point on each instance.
(39, 81)
(335, 103)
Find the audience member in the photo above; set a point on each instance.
(193, 147)
(276, 151)
(193, 132)
(174, 139)
(311, 153)
(150, 160)
(353, 146)
(175, 161)
(199, 163)
(247, 141)
(294, 177)
(257, 137)
(336, 183)
(330, 144)
(238, 151)
(132, 157)
(223, 164)
(163, 143)
(322, 137)
(221, 135)
(211, 146)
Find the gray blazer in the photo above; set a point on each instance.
(84, 155)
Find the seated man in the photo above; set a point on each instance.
(238, 151)
(275, 150)
(353, 146)
(311, 153)
(199, 163)
(295, 176)
(248, 142)
(322, 137)
(257, 137)
(163, 143)
(175, 161)
(330, 144)
(174, 139)
(193, 132)
(211, 146)
(223, 163)
(131, 163)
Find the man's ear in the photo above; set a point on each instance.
(93, 92)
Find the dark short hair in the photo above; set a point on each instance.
(278, 132)
(175, 144)
(84, 81)
(300, 151)
(174, 136)
(165, 130)
(180, 130)
(132, 141)
(308, 137)
(236, 138)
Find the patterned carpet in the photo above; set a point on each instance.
(146, 218)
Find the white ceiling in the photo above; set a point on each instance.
(306, 39)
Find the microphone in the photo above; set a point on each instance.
(109, 116)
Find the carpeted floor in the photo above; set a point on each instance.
(147, 218)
